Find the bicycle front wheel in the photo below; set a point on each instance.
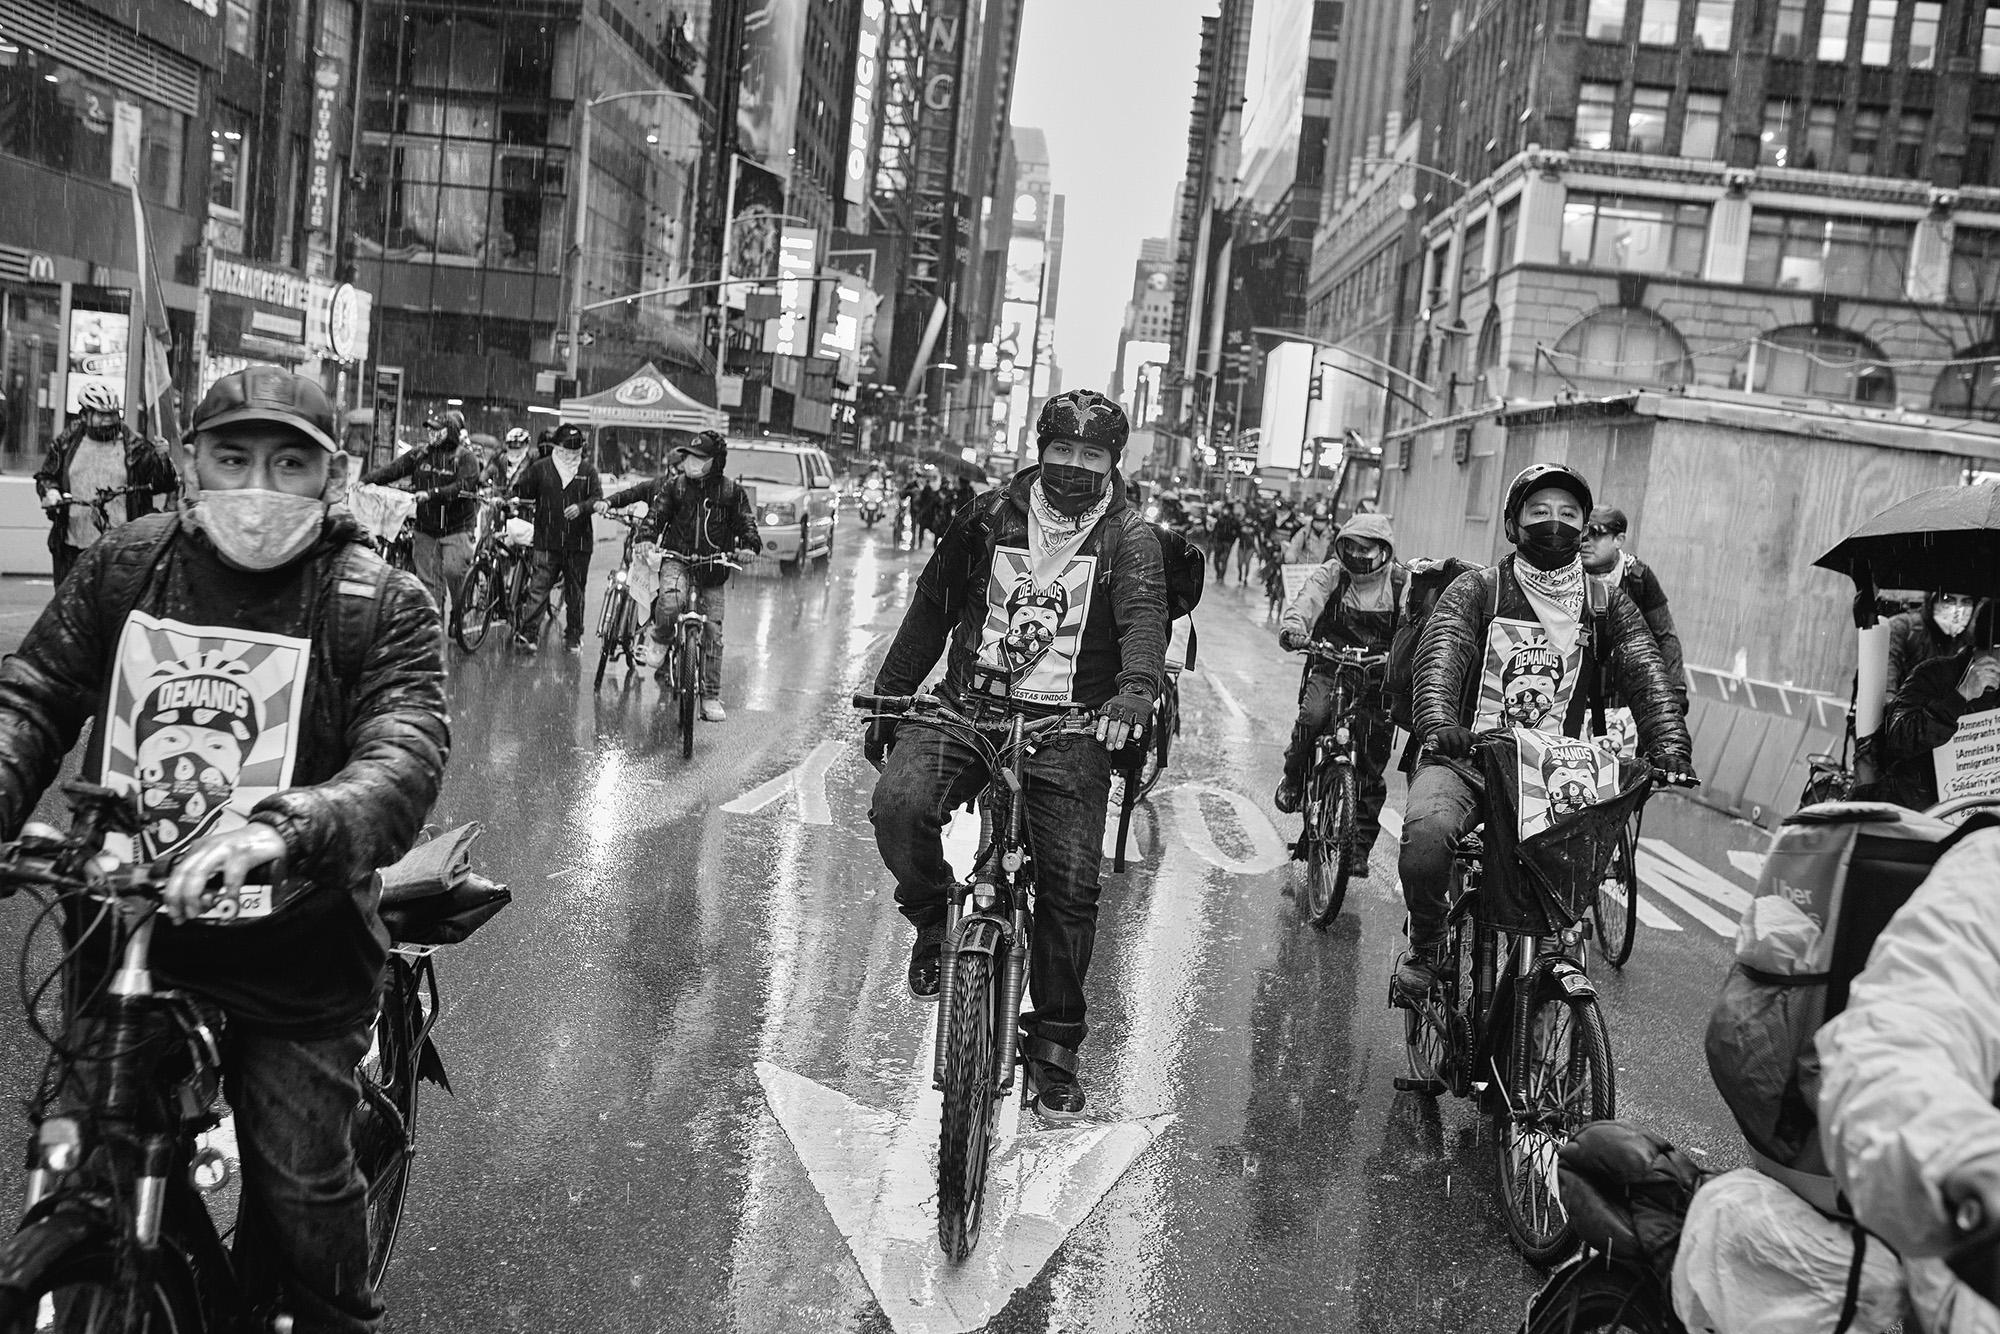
(476, 598)
(1327, 870)
(1615, 910)
(1567, 1084)
(967, 1127)
(614, 634)
(1591, 1297)
(86, 1290)
(385, 1123)
(690, 686)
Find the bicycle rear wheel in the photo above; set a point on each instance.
(1327, 871)
(1614, 910)
(384, 1127)
(1567, 1084)
(967, 1127)
(1592, 1297)
(688, 669)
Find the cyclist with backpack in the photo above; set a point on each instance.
(1525, 643)
(273, 694)
(1351, 601)
(1605, 557)
(1047, 595)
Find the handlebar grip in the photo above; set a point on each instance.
(884, 703)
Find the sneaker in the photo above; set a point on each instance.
(1418, 972)
(526, 643)
(572, 645)
(925, 965)
(1053, 1089)
(1288, 797)
(713, 712)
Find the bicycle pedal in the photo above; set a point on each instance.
(1431, 1087)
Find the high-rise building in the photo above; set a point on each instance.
(1147, 331)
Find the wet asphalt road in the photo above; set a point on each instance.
(610, 1160)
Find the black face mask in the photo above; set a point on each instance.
(1549, 546)
(102, 431)
(1072, 490)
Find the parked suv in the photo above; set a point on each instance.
(791, 493)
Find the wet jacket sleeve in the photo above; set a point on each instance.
(1908, 1069)
(1448, 654)
(942, 590)
(50, 687)
(1303, 614)
(396, 469)
(1926, 710)
(1139, 608)
(1652, 600)
(632, 495)
(528, 485)
(398, 736)
(1642, 680)
(48, 477)
(743, 524)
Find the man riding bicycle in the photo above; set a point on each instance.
(1506, 647)
(273, 693)
(1350, 601)
(445, 474)
(1605, 557)
(96, 453)
(1052, 593)
(697, 511)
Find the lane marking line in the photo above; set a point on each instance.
(1698, 877)
(1228, 700)
(1659, 877)
(807, 779)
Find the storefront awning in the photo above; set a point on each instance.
(647, 399)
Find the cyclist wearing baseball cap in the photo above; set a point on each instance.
(320, 751)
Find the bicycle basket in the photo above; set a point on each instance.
(1543, 884)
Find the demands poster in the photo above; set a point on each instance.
(1559, 776)
(1033, 634)
(203, 725)
(1968, 765)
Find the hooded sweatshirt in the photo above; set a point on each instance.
(1337, 606)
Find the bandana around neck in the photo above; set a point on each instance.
(1053, 537)
(1557, 597)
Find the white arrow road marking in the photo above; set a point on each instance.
(1747, 864)
(807, 779)
(1268, 850)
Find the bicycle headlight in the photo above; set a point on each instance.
(620, 578)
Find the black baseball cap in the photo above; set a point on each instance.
(266, 394)
(1610, 519)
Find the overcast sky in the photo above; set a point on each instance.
(1111, 82)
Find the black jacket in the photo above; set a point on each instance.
(1921, 718)
(145, 465)
(1124, 641)
(451, 475)
(1643, 587)
(1445, 679)
(368, 755)
(695, 518)
(541, 483)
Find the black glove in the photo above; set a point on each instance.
(1674, 769)
(1123, 720)
(1454, 743)
(879, 741)
(1291, 641)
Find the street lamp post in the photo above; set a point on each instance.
(583, 210)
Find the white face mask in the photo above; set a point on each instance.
(1952, 618)
(695, 468)
(259, 530)
(568, 458)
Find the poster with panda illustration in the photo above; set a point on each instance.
(1559, 776)
(1032, 635)
(203, 725)
(1525, 681)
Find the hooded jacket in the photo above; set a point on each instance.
(1914, 639)
(1909, 1072)
(1446, 674)
(702, 516)
(1124, 639)
(146, 465)
(450, 473)
(1325, 593)
(367, 752)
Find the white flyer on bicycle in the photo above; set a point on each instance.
(1559, 776)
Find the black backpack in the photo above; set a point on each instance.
(1187, 571)
(1425, 588)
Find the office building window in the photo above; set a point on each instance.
(1660, 22)
(1712, 21)
(1472, 258)
(1790, 38)
(1818, 363)
(1861, 142)
(1634, 235)
(1980, 139)
(228, 151)
(1596, 104)
(1975, 267)
(1834, 20)
(1506, 235)
(1907, 159)
(1926, 17)
(1774, 145)
(1605, 20)
(1822, 120)
(1810, 252)
(1701, 126)
(1971, 387)
(64, 117)
(1646, 129)
(239, 25)
(1878, 32)
(1628, 344)
(1989, 41)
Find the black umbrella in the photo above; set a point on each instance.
(953, 465)
(1943, 540)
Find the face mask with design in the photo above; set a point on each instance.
(1072, 490)
(1952, 618)
(259, 530)
(1549, 545)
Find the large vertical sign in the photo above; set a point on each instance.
(767, 103)
(796, 260)
(320, 156)
(756, 208)
(861, 117)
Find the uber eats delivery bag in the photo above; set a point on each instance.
(1836, 873)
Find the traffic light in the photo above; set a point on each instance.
(1315, 389)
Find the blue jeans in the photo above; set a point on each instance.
(1442, 806)
(302, 1230)
(1068, 783)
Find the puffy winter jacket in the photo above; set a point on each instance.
(371, 739)
(1445, 679)
(1124, 640)
(1908, 1075)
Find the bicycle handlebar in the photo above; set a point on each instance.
(715, 558)
(898, 706)
(1346, 656)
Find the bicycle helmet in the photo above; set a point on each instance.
(97, 397)
(1084, 415)
(1536, 477)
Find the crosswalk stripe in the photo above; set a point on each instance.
(1698, 877)
(1648, 914)
(1659, 877)
(1749, 864)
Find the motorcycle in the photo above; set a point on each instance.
(871, 506)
